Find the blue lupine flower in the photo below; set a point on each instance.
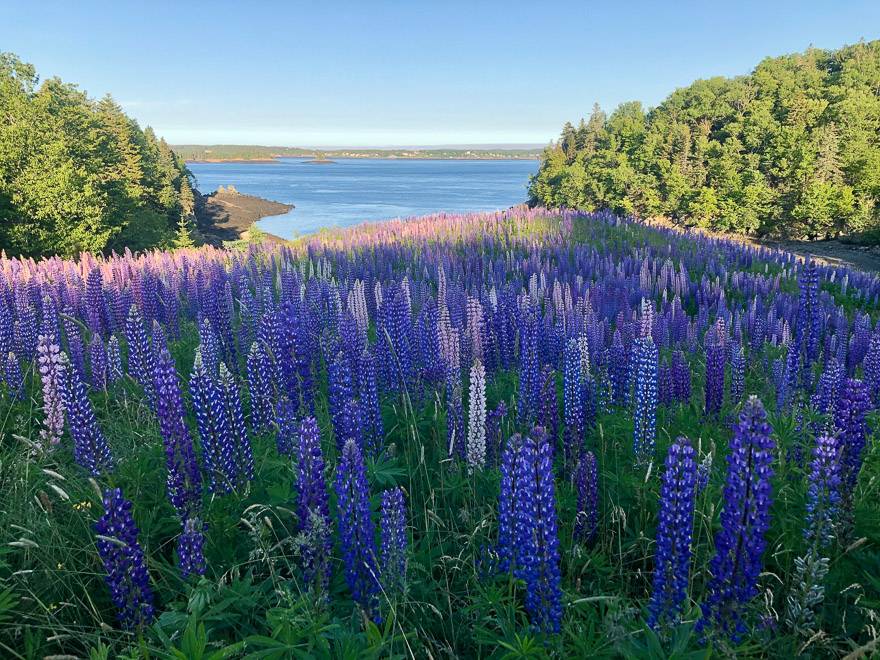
(98, 362)
(13, 376)
(340, 391)
(394, 543)
(123, 561)
(287, 423)
(218, 451)
(313, 506)
(674, 534)
(716, 359)
(374, 430)
(849, 419)
(823, 491)
(745, 518)
(827, 392)
(507, 504)
(141, 363)
(586, 485)
(191, 548)
(241, 445)
(645, 397)
(90, 448)
(115, 372)
(259, 375)
(356, 531)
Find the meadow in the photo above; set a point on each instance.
(531, 433)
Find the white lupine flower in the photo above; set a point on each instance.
(476, 434)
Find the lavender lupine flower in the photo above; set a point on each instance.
(218, 451)
(586, 485)
(259, 374)
(645, 397)
(115, 372)
(356, 531)
(98, 362)
(716, 358)
(191, 548)
(313, 505)
(393, 557)
(184, 481)
(476, 434)
(745, 518)
(823, 492)
(508, 502)
(90, 449)
(14, 378)
(123, 561)
(243, 456)
(536, 534)
(849, 419)
(52, 365)
(674, 534)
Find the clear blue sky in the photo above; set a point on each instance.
(408, 72)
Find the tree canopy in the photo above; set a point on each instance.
(792, 149)
(78, 174)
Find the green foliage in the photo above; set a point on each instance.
(79, 175)
(792, 149)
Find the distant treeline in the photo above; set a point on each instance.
(222, 152)
(78, 175)
(792, 149)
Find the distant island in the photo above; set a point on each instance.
(235, 153)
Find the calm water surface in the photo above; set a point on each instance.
(349, 191)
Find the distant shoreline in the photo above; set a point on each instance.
(277, 160)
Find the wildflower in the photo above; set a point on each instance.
(716, 359)
(259, 375)
(823, 491)
(212, 421)
(745, 518)
(849, 419)
(645, 398)
(356, 531)
(123, 561)
(243, 457)
(14, 378)
(586, 485)
(52, 365)
(393, 557)
(476, 438)
(312, 504)
(674, 534)
(90, 449)
(190, 548)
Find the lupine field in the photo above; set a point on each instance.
(523, 434)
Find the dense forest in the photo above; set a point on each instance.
(790, 150)
(78, 174)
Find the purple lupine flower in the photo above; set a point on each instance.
(141, 360)
(645, 397)
(681, 378)
(14, 378)
(828, 389)
(745, 518)
(95, 302)
(52, 365)
(508, 501)
(115, 372)
(737, 374)
(356, 531)
(340, 391)
(871, 367)
(849, 419)
(716, 359)
(210, 347)
(536, 535)
(618, 365)
(572, 400)
(823, 492)
(548, 408)
(75, 347)
(493, 433)
(98, 362)
(123, 561)
(313, 506)
(674, 534)
(374, 429)
(529, 370)
(393, 551)
(184, 480)
(259, 374)
(586, 485)
(286, 421)
(90, 449)
(191, 548)
(243, 456)
(212, 421)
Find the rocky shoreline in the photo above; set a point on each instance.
(228, 215)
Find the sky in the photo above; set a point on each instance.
(407, 72)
